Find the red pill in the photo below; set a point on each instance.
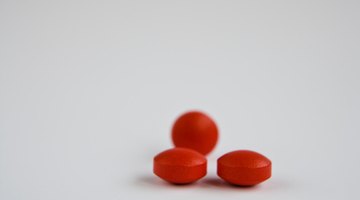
(180, 165)
(195, 130)
(243, 167)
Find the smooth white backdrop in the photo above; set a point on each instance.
(89, 91)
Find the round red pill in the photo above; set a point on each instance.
(195, 130)
(180, 165)
(244, 167)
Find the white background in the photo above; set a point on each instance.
(89, 91)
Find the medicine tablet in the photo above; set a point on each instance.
(195, 130)
(244, 167)
(180, 165)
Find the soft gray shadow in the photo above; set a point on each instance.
(214, 182)
(279, 184)
(208, 183)
(154, 181)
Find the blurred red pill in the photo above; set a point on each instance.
(195, 130)
(180, 165)
(243, 167)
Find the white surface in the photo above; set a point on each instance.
(90, 89)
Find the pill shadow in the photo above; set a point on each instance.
(153, 181)
(207, 183)
(274, 184)
(213, 183)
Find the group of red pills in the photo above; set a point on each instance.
(195, 135)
